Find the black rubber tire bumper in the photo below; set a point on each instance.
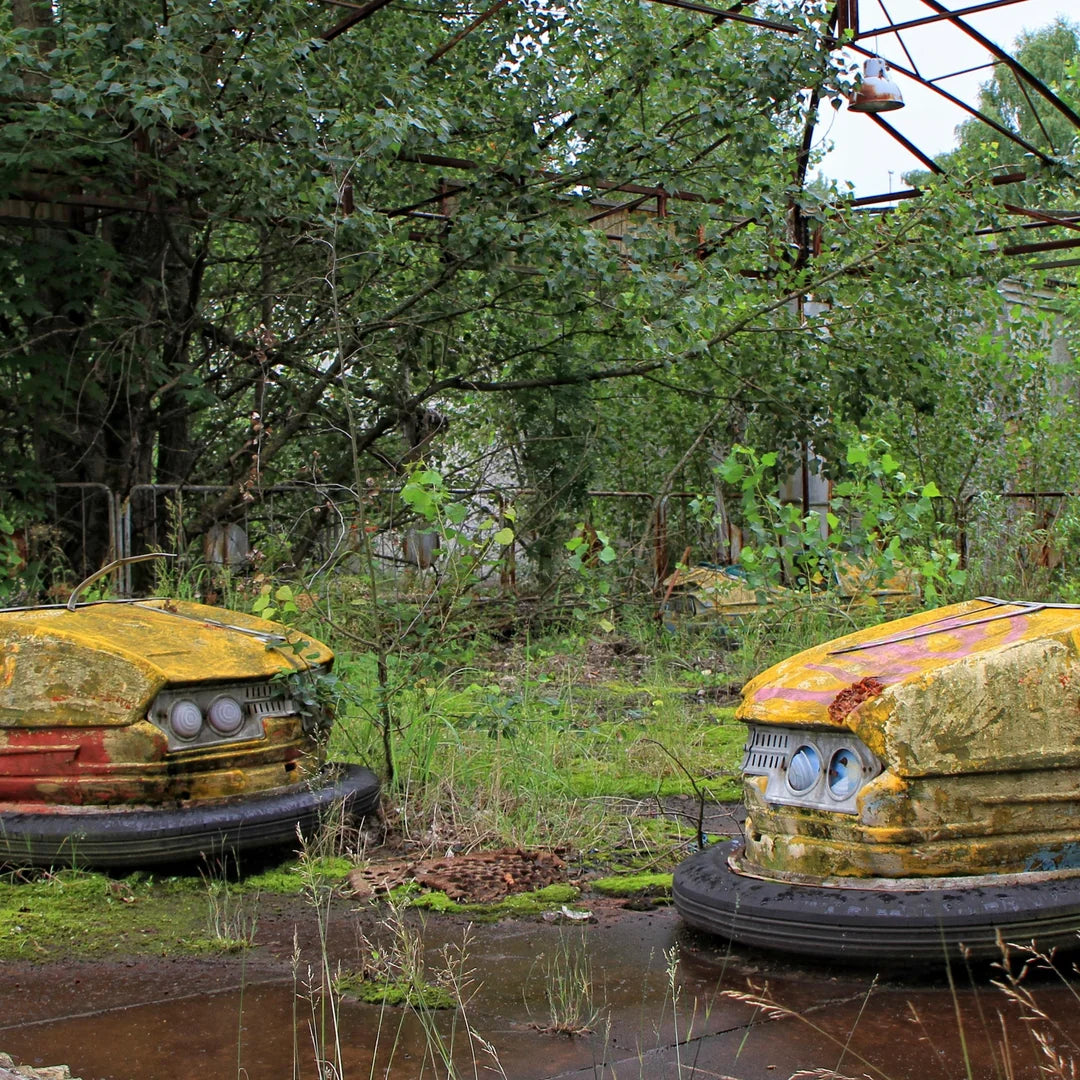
(121, 838)
(890, 926)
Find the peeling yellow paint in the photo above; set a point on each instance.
(7, 668)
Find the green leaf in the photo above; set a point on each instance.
(504, 536)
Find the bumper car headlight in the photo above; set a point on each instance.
(226, 715)
(792, 760)
(804, 770)
(185, 719)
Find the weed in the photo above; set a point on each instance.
(569, 993)
(233, 919)
(1057, 1044)
(394, 972)
(771, 1010)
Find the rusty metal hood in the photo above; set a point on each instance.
(109, 659)
(184, 642)
(979, 685)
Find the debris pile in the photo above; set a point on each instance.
(10, 1071)
(482, 877)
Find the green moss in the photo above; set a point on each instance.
(515, 905)
(540, 900)
(71, 913)
(293, 876)
(633, 885)
(372, 990)
(433, 901)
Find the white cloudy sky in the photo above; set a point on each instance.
(866, 155)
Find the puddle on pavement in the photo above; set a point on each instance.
(251, 1017)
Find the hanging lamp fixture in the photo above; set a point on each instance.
(877, 92)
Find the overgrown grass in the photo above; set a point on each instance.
(71, 913)
(538, 739)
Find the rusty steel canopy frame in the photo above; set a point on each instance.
(850, 26)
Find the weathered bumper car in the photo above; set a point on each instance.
(723, 593)
(149, 732)
(912, 793)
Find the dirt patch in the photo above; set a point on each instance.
(482, 877)
(606, 657)
(725, 694)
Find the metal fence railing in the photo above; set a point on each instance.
(85, 526)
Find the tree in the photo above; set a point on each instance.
(242, 248)
(1051, 53)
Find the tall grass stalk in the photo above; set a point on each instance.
(324, 1022)
(1057, 1044)
(569, 990)
(762, 1001)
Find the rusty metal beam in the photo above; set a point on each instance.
(1070, 222)
(1046, 245)
(1057, 264)
(1067, 219)
(350, 4)
(965, 71)
(358, 15)
(975, 9)
(892, 196)
(970, 109)
(733, 16)
(914, 193)
(845, 16)
(461, 35)
(1009, 60)
(610, 211)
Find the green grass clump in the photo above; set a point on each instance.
(516, 905)
(289, 878)
(73, 913)
(379, 990)
(651, 884)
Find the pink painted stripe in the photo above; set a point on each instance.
(790, 693)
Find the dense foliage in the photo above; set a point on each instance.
(568, 249)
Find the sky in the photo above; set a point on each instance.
(864, 154)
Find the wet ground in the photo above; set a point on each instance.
(659, 1006)
(662, 1002)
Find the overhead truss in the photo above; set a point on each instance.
(853, 24)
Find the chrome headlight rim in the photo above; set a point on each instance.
(801, 766)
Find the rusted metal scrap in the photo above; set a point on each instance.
(477, 877)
